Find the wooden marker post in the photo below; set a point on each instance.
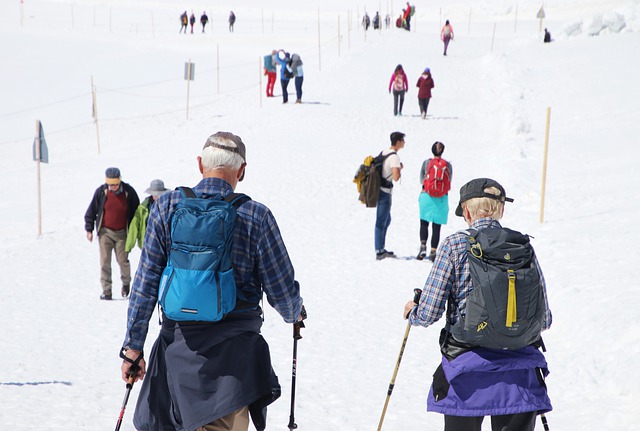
(544, 165)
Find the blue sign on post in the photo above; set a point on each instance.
(42, 151)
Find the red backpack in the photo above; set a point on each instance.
(437, 180)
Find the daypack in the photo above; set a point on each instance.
(288, 72)
(398, 82)
(413, 10)
(437, 178)
(197, 284)
(506, 308)
(369, 179)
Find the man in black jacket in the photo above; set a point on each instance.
(110, 213)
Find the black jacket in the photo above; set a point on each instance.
(93, 216)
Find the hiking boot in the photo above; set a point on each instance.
(422, 253)
(125, 290)
(384, 254)
(432, 255)
(298, 101)
(105, 297)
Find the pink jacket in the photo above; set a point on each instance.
(393, 78)
(450, 32)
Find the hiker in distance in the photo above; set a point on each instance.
(184, 20)
(232, 21)
(271, 71)
(138, 225)
(204, 19)
(408, 13)
(391, 171)
(398, 83)
(446, 35)
(286, 72)
(209, 375)
(491, 366)
(436, 174)
(425, 84)
(298, 75)
(110, 212)
(192, 21)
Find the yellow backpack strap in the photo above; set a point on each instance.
(512, 312)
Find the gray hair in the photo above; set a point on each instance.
(221, 150)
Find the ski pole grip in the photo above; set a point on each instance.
(417, 293)
(299, 324)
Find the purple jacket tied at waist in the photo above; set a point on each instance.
(491, 382)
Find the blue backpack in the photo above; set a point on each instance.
(197, 284)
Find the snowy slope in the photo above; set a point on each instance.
(59, 364)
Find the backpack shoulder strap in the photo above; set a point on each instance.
(237, 199)
(187, 192)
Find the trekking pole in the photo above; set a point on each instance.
(124, 402)
(416, 299)
(296, 336)
(132, 372)
(545, 425)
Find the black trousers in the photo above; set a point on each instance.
(516, 422)
(424, 233)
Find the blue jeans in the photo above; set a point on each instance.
(398, 101)
(285, 94)
(298, 82)
(383, 220)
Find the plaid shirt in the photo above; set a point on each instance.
(259, 258)
(449, 282)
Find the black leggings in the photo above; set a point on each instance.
(516, 422)
(424, 233)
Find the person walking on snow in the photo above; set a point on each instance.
(110, 212)
(211, 375)
(204, 19)
(184, 20)
(298, 76)
(192, 21)
(398, 83)
(425, 84)
(138, 225)
(433, 209)
(284, 59)
(366, 21)
(270, 70)
(408, 13)
(446, 35)
(391, 171)
(232, 21)
(471, 381)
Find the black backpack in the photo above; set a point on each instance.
(506, 308)
(288, 72)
